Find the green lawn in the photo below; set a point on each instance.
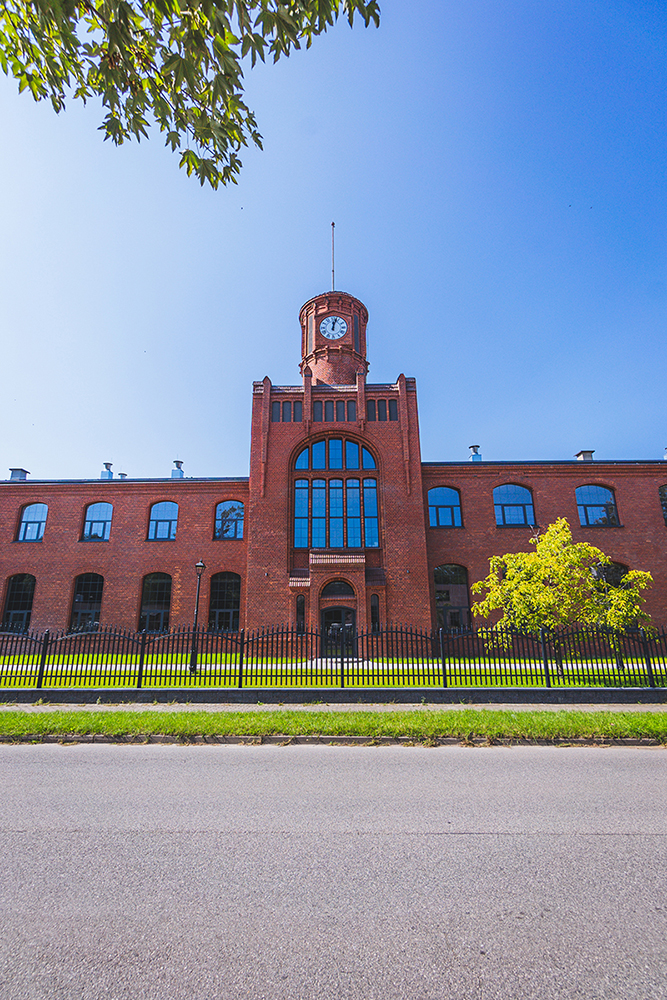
(419, 725)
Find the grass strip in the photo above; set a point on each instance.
(420, 725)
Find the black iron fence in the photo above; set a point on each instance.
(395, 657)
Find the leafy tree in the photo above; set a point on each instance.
(561, 583)
(173, 62)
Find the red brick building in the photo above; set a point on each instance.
(339, 520)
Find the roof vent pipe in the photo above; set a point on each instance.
(106, 472)
(18, 474)
(122, 475)
(177, 473)
(585, 456)
(474, 453)
(665, 455)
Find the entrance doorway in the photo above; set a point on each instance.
(338, 629)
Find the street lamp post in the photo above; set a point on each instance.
(199, 567)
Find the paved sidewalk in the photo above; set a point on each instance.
(329, 707)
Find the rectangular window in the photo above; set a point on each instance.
(275, 413)
(287, 413)
(319, 514)
(335, 453)
(328, 411)
(301, 514)
(356, 334)
(317, 411)
(340, 410)
(298, 411)
(370, 409)
(351, 455)
(371, 531)
(393, 409)
(319, 455)
(336, 540)
(382, 409)
(353, 514)
(311, 325)
(351, 410)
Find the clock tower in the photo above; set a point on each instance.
(333, 338)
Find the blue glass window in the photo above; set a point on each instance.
(97, 526)
(371, 532)
(335, 453)
(163, 521)
(319, 513)
(336, 539)
(597, 507)
(513, 505)
(444, 507)
(229, 519)
(353, 491)
(320, 455)
(351, 455)
(33, 522)
(301, 514)
(368, 462)
(302, 459)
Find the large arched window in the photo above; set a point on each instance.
(338, 588)
(33, 522)
(163, 521)
(597, 507)
(444, 507)
(155, 603)
(87, 601)
(229, 519)
(339, 512)
(513, 505)
(18, 603)
(97, 525)
(452, 603)
(225, 602)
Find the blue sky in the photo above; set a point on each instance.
(496, 171)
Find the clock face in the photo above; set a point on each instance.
(333, 327)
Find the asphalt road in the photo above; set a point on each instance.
(314, 873)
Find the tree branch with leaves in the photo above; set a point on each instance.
(561, 583)
(174, 63)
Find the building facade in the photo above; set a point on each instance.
(339, 521)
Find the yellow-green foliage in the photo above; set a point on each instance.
(559, 584)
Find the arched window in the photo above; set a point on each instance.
(18, 603)
(155, 603)
(662, 493)
(452, 603)
(513, 505)
(163, 521)
(375, 613)
(339, 512)
(87, 601)
(338, 588)
(225, 603)
(229, 519)
(33, 522)
(97, 525)
(597, 507)
(444, 507)
(301, 613)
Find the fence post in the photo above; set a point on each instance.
(341, 671)
(241, 645)
(142, 650)
(441, 639)
(42, 659)
(545, 659)
(647, 657)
